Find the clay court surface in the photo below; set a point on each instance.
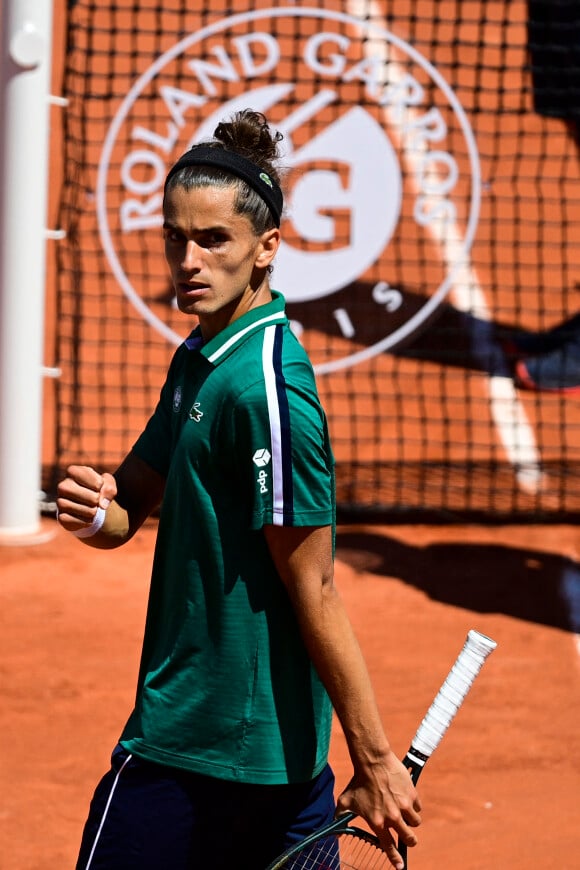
(502, 789)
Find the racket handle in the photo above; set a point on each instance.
(445, 705)
(452, 693)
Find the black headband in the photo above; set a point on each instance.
(258, 180)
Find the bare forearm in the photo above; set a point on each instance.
(337, 657)
(381, 789)
(304, 558)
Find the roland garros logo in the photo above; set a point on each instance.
(382, 172)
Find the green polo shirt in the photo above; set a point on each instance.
(226, 688)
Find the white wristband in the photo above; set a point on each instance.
(95, 526)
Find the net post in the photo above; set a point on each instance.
(25, 73)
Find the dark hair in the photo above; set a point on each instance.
(248, 135)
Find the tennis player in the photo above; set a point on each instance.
(224, 759)
(549, 360)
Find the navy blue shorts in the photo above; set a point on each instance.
(144, 816)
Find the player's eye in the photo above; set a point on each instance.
(172, 235)
(213, 240)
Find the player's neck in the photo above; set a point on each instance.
(212, 324)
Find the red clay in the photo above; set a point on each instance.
(502, 789)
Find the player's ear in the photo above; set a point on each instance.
(269, 244)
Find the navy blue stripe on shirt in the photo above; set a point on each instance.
(285, 432)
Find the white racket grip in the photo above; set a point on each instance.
(452, 693)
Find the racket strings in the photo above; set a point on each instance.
(344, 852)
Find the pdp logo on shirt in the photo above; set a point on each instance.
(383, 182)
(261, 458)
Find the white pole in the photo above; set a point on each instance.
(25, 73)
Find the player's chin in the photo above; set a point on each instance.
(187, 305)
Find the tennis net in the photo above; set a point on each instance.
(434, 214)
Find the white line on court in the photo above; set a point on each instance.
(507, 412)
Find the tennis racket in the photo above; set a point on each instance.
(342, 845)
